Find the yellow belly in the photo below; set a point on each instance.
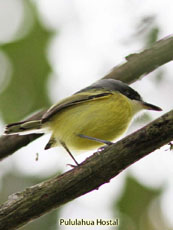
(105, 118)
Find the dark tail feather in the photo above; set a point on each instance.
(24, 127)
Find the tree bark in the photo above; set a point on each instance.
(98, 169)
(142, 63)
(136, 65)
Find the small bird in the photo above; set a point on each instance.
(95, 115)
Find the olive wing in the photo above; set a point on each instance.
(71, 101)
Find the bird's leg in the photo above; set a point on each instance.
(107, 143)
(96, 139)
(66, 148)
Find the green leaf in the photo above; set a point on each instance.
(26, 90)
(13, 182)
(135, 204)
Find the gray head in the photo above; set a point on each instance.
(119, 86)
(115, 85)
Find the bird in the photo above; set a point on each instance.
(91, 117)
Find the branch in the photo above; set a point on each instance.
(98, 169)
(136, 66)
(142, 63)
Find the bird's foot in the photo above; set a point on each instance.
(104, 146)
(73, 166)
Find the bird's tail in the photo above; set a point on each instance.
(24, 127)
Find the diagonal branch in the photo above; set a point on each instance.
(142, 63)
(98, 169)
(136, 66)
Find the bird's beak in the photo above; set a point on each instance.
(150, 106)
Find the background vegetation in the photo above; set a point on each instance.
(26, 73)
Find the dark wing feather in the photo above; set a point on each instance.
(70, 101)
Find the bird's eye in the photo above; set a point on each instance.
(127, 92)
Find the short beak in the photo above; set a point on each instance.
(150, 106)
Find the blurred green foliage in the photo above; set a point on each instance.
(14, 182)
(152, 36)
(148, 30)
(26, 90)
(139, 207)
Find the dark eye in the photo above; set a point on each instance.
(127, 93)
(137, 97)
(134, 95)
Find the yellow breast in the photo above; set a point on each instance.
(105, 118)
